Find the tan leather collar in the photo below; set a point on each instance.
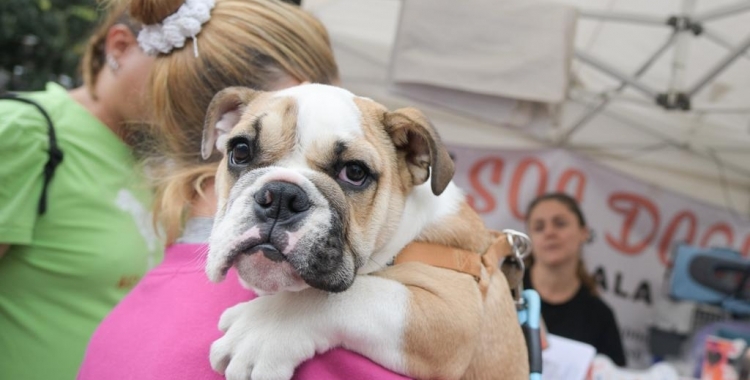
(481, 266)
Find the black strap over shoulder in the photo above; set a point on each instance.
(54, 151)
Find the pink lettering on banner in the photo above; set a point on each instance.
(567, 177)
(495, 166)
(488, 172)
(669, 234)
(720, 234)
(518, 177)
(631, 206)
(485, 177)
(718, 228)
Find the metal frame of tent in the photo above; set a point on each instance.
(677, 96)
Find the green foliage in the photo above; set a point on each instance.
(43, 40)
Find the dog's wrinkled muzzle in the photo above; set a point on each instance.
(283, 230)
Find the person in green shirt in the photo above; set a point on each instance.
(62, 270)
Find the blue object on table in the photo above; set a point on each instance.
(718, 276)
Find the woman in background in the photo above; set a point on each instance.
(571, 306)
(73, 246)
(165, 327)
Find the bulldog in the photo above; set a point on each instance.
(318, 192)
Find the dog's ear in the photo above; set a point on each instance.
(414, 135)
(223, 114)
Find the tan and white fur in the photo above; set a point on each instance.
(318, 191)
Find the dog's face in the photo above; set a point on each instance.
(312, 182)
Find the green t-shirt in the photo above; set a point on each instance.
(66, 269)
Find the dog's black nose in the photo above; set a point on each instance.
(282, 201)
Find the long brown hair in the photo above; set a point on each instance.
(582, 273)
(252, 43)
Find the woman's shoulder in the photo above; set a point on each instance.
(52, 96)
(595, 304)
(19, 117)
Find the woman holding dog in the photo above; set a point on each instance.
(75, 237)
(164, 328)
(571, 307)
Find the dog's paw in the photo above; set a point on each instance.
(261, 342)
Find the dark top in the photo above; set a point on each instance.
(584, 318)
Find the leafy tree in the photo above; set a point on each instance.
(43, 40)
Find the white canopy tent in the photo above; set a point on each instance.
(627, 56)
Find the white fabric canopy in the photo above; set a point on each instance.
(703, 153)
(516, 49)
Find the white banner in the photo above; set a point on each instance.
(634, 223)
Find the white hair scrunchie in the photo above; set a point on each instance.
(176, 28)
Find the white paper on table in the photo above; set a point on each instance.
(566, 359)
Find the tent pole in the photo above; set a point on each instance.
(726, 110)
(720, 66)
(616, 73)
(583, 119)
(624, 17)
(729, 10)
(720, 40)
(681, 50)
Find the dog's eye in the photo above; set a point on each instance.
(240, 154)
(354, 173)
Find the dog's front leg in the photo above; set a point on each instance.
(407, 329)
(267, 338)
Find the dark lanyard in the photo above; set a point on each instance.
(54, 152)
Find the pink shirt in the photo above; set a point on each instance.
(163, 329)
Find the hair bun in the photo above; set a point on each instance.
(153, 11)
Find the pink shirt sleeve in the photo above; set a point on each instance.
(164, 328)
(343, 365)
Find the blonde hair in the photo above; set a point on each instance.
(94, 55)
(252, 43)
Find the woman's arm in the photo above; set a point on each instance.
(23, 153)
